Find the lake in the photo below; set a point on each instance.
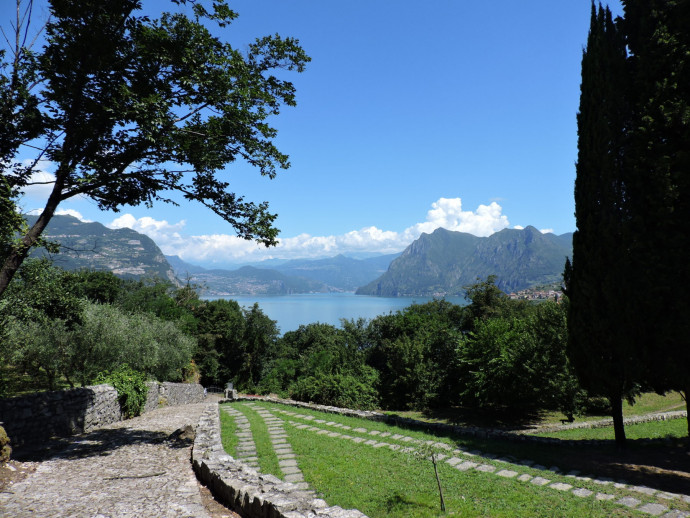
(291, 311)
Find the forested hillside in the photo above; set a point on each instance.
(444, 262)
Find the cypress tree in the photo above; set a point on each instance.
(600, 346)
(658, 163)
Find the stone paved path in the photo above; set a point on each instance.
(286, 458)
(127, 469)
(643, 499)
(246, 449)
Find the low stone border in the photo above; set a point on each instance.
(244, 489)
(474, 431)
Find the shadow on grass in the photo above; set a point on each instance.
(96, 443)
(400, 503)
(502, 419)
(658, 463)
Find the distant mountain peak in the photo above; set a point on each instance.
(444, 262)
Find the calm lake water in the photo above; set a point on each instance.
(291, 311)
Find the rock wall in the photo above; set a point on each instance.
(30, 420)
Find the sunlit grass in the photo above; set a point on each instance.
(384, 483)
(674, 428)
(268, 461)
(228, 433)
(647, 403)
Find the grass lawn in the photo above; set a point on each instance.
(385, 483)
(675, 428)
(645, 404)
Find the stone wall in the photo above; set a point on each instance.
(30, 420)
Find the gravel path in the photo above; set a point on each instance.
(133, 468)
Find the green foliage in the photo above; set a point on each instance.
(341, 390)
(518, 365)
(40, 293)
(131, 388)
(600, 347)
(96, 286)
(5, 449)
(52, 333)
(319, 362)
(257, 346)
(413, 350)
(658, 185)
(110, 337)
(42, 349)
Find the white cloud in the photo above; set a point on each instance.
(546, 231)
(519, 227)
(447, 213)
(165, 235)
(43, 185)
(225, 248)
(72, 212)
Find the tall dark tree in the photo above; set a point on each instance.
(658, 158)
(130, 108)
(601, 348)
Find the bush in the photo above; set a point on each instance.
(341, 390)
(5, 449)
(131, 389)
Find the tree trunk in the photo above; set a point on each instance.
(617, 414)
(685, 393)
(20, 251)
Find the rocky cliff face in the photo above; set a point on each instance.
(124, 252)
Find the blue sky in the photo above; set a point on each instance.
(411, 115)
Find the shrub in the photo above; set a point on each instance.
(5, 449)
(131, 389)
(342, 390)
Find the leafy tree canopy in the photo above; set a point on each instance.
(130, 109)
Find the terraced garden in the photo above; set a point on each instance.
(372, 466)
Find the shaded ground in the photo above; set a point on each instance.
(665, 468)
(663, 464)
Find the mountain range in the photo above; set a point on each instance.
(333, 274)
(443, 262)
(436, 264)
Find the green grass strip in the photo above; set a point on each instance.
(383, 483)
(268, 461)
(228, 433)
(674, 428)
